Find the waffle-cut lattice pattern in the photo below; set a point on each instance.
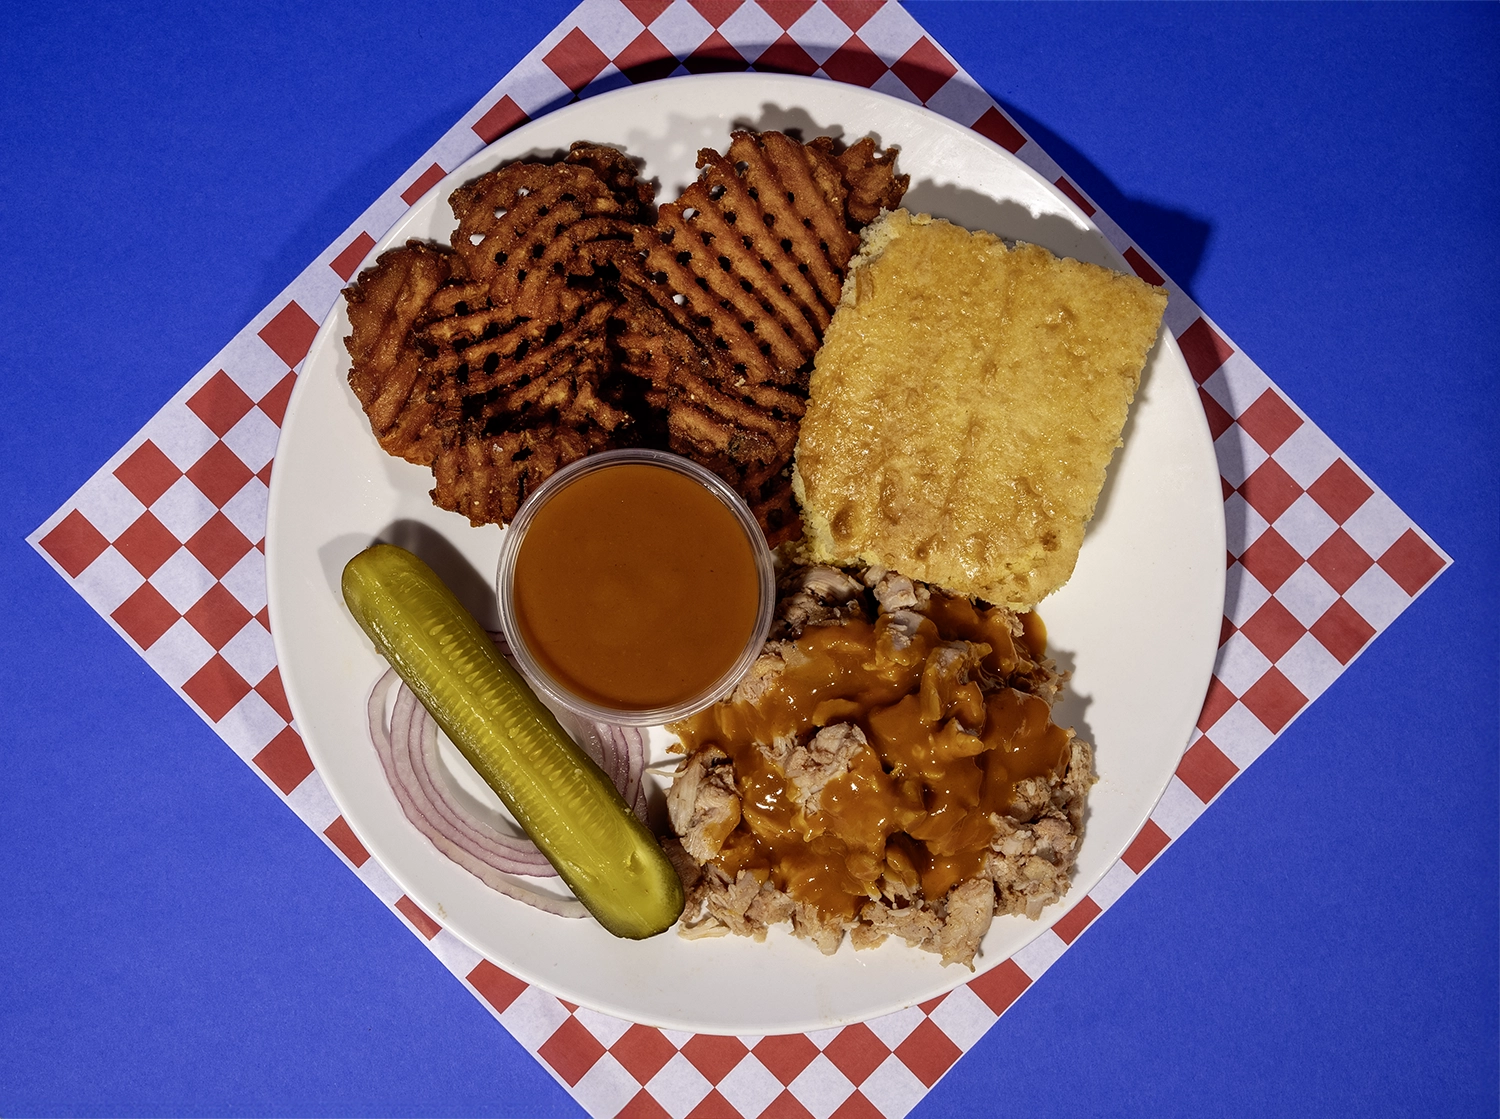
(562, 321)
(490, 361)
(475, 475)
(751, 258)
(526, 228)
(386, 370)
(756, 249)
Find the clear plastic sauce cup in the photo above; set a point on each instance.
(635, 587)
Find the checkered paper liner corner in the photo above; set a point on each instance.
(167, 541)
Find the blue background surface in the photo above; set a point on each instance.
(1322, 179)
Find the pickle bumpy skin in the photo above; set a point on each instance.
(567, 805)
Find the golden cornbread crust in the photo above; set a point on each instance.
(964, 406)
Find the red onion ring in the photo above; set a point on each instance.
(429, 821)
(408, 753)
(628, 747)
(414, 745)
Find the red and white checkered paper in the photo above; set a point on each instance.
(167, 542)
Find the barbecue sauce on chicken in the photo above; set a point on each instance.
(942, 753)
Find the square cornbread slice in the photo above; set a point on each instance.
(964, 406)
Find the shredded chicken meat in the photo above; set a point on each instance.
(888, 768)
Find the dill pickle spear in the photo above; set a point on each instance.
(567, 805)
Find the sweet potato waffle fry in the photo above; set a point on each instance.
(386, 371)
(754, 253)
(526, 227)
(755, 250)
(567, 317)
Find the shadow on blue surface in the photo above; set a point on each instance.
(1175, 239)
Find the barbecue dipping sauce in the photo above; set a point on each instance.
(635, 587)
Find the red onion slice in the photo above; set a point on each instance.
(414, 744)
(627, 747)
(408, 753)
(429, 820)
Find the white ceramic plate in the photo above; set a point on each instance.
(1138, 624)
